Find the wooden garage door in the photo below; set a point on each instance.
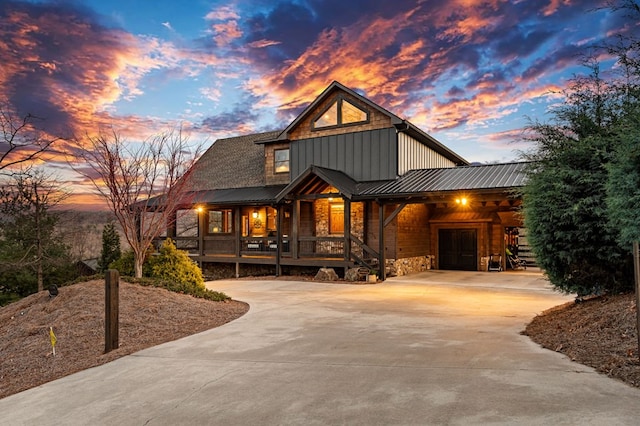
(458, 249)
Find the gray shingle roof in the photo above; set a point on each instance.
(491, 176)
(236, 162)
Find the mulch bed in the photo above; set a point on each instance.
(599, 332)
(148, 316)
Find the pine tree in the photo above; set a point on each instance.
(110, 247)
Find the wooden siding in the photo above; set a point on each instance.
(377, 120)
(271, 177)
(413, 232)
(373, 230)
(364, 156)
(415, 155)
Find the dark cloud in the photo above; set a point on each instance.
(239, 118)
(56, 57)
(553, 61)
(291, 25)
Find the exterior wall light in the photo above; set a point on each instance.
(255, 214)
(462, 201)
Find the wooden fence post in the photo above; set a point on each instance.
(636, 268)
(112, 310)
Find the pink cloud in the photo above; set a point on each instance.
(226, 32)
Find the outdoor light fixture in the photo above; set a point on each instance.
(462, 201)
(53, 290)
(199, 209)
(255, 214)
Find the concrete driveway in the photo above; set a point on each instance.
(428, 349)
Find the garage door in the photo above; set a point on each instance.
(458, 249)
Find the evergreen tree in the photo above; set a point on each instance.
(32, 254)
(623, 186)
(110, 247)
(582, 199)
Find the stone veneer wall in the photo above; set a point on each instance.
(322, 218)
(411, 265)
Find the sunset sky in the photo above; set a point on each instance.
(468, 72)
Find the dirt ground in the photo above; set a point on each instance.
(600, 332)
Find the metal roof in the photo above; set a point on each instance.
(490, 176)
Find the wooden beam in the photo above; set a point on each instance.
(312, 197)
(393, 214)
(112, 310)
(238, 229)
(295, 225)
(201, 232)
(347, 229)
(278, 239)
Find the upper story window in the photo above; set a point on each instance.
(340, 113)
(281, 160)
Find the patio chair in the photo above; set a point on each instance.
(495, 262)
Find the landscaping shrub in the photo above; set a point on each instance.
(171, 264)
(171, 269)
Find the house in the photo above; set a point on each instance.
(347, 183)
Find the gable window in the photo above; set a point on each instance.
(341, 113)
(336, 218)
(220, 221)
(352, 114)
(281, 160)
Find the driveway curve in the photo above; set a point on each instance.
(435, 348)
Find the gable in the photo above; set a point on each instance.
(337, 114)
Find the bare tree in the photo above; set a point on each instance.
(144, 184)
(21, 140)
(28, 225)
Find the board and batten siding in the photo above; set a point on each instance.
(414, 155)
(364, 156)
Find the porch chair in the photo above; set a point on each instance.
(495, 262)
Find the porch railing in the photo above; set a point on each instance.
(307, 247)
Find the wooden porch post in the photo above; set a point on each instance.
(237, 224)
(294, 229)
(278, 238)
(201, 231)
(347, 231)
(381, 258)
(172, 225)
